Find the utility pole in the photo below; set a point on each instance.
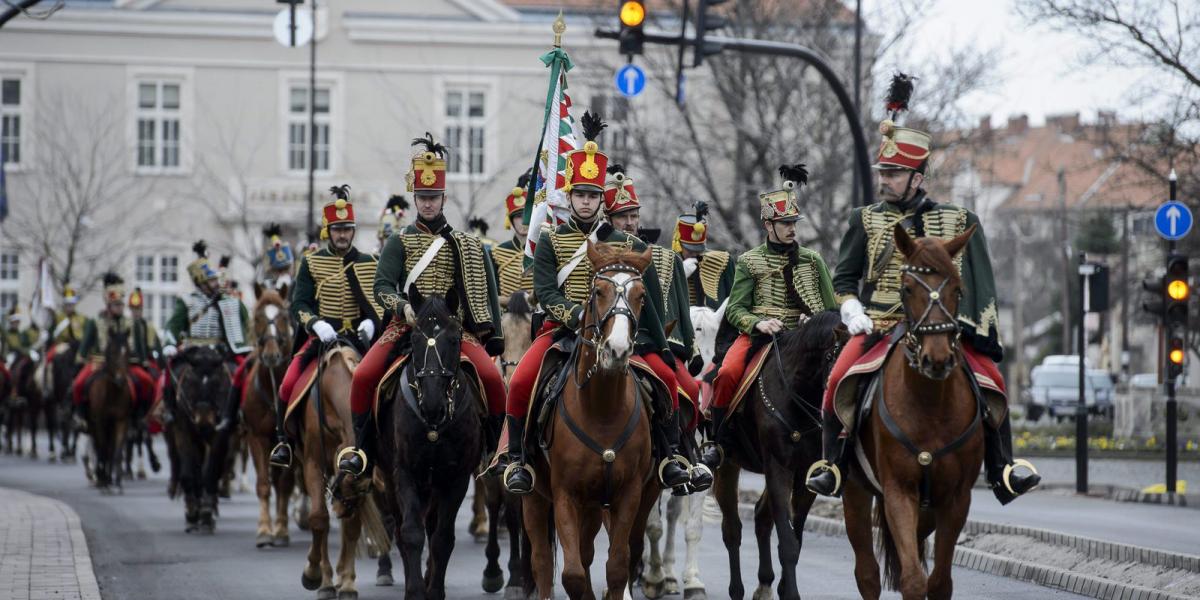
(1064, 237)
(1125, 283)
(312, 127)
(858, 87)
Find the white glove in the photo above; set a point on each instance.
(854, 318)
(689, 266)
(410, 316)
(169, 351)
(366, 330)
(34, 356)
(324, 331)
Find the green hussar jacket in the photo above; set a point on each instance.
(96, 333)
(712, 280)
(19, 341)
(460, 267)
(762, 290)
(675, 306)
(508, 260)
(336, 289)
(869, 266)
(145, 342)
(564, 304)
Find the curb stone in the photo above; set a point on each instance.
(40, 535)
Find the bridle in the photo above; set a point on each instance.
(918, 329)
(271, 335)
(429, 368)
(590, 334)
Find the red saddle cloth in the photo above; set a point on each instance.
(748, 376)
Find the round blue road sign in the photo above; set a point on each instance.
(1173, 220)
(630, 80)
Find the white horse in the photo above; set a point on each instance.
(659, 578)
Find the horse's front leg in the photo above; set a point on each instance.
(487, 489)
(317, 573)
(856, 510)
(652, 578)
(567, 521)
(762, 536)
(441, 543)
(780, 481)
(536, 513)
(726, 494)
(262, 489)
(674, 510)
(950, 520)
(351, 532)
(411, 533)
(900, 507)
(693, 588)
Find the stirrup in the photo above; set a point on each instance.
(522, 466)
(720, 452)
(351, 450)
(1008, 470)
(282, 465)
(683, 464)
(703, 470)
(825, 465)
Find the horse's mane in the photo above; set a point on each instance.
(611, 256)
(518, 304)
(810, 337)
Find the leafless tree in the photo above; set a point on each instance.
(75, 201)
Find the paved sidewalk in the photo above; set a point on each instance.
(43, 553)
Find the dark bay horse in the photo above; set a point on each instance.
(929, 398)
(22, 406)
(110, 410)
(598, 468)
(201, 383)
(62, 369)
(431, 443)
(777, 434)
(273, 335)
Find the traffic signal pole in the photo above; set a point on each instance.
(1172, 407)
(790, 50)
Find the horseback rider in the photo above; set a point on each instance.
(868, 286)
(437, 259)
(147, 347)
(709, 272)
(334, 295)
(508, 257)
(776, 287)
(623, 208)
(278, 258)
(391, 221)
(562, 278)
(96, 334)
(208, 317)
(18, 343)
(68, 328)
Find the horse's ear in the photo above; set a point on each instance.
(595, 252)
(414, 297)
(452, 302)
(645, 259)
(841, 334)
(258, 290)
(956, 245)
(283, 290)
(904, 242)
(669, 327)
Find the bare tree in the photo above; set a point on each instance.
(77, 199)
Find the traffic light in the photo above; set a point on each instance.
(633, 17)
(1154, 303)
(707, 21)
(1175, 312)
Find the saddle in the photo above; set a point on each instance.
(308, 377)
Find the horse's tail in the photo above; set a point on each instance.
(375, 533)
(887, 545)
(518, 304)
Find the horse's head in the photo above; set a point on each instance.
(707, 322)
(436, 340)
(610, 320)
(930, 291)
(272, 326)
(809, 351)
(116, 354)
(202, 385)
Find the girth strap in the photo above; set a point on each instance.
(609, 456)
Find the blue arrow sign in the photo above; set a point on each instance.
(1173, 220)
(630, 80)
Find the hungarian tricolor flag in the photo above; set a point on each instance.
(558, 138)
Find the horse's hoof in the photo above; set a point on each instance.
(141, 474)
(514, 593)
(310, 584)
(671, 586)
(764, 592)
(652, 590)
(263, 540)
(480, 538)
(695, 594)
(281, 541)
(493, 583)
(384, 580)
(52, 459)
(347, 595)
(329, 593)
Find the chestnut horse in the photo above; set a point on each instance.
(923, 439)
(261, 409)
(110, 410)
(598, 467)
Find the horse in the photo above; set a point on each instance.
(658, 577)
(62, 370)
(261, 410)
(110, 410)
(327, 428)
(41, 406)
(490, 494)
(431, 442)
(22, 405)
(922, 440)
(598, 466)
(201, 386)
(777, 433)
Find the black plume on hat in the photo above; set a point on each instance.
(701, 210)
(200, 248)
(796, 174)
(899, 92)
(271, 229)
(397, 203)
(592, 125)
(430, 144)
(341, 191)
(224, 262)
(111, 278)
(479, 224)
(523, 180)
(615, 168)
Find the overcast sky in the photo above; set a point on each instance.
(1040, 71)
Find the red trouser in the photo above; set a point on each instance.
(141, 384)
(375, 364)
(525, 376)
(293, 373)
(733, 367)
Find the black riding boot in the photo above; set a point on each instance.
(281, 454)
(354, 460)
(672, 470)
(998, 464)
(713, 453)
(827, 480)
(229, 411)
(700, 476)
(493, 425)
(518, 477)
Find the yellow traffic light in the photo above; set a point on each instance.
(1177, 289)
(632, 14)
(1176, 356)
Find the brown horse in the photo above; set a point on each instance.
(22, 406)
(923, 439)
(598, 467)
(261, 409)
(110, 410)
(327, 428)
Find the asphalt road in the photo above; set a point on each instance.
(140, 550)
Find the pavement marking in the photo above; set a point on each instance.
(43, 552)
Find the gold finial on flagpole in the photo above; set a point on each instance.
(560, 25)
